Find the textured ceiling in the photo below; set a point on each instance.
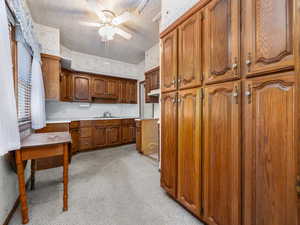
(66, 15)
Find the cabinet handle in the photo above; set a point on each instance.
(174, 100)
(248, 94)
(235, 94)
(179, 81)
(179, 100)
(235, 65)
(248, 61)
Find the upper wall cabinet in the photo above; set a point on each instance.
(222, 41)
(268, 36)
(105, 88)
(190, 65)
(169, 62)
(51, 76)
(66, 86)
(82, 88)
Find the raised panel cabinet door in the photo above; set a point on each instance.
(268, 36)
(63, 85)
(112, 88)
(82, 86)
(169, 62)
(169, 150)
(270, 151)
(222, 154)
(189, 149)
(125, 134)
(114, 135)
(189, 52)
(99, 88)
(100, 136)
(122, 91)
(222, 42)
(132, 131)
(133, 92)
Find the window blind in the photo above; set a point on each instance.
(24, 84)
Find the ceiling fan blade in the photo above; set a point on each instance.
(123, 33)
(96, 7)
(89, 24)
(122, 18)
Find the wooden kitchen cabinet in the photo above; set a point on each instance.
(131, 91)
(114, 135)
(100, 136)
(169, 62)
(128, 131)
(51, 76)
(151, 83)
(190, 49)
(189, 149)
(222, 32)
(268, 37)
(66, 85)
(270, 151)
(169, 139)
(138, 136)
(222, 154)
(82, 88)
(105, 88)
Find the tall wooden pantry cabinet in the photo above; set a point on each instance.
(230, 111)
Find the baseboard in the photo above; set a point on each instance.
(15, 206)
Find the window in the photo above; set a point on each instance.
(24, 85)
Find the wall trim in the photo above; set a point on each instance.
(15, 206)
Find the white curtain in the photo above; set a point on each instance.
(9, 130)
(38, 113)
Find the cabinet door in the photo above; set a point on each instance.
(65, 86)
(270, 151)
(122, 91)
(114, 135)
(125, 134)
(138, 139)
(82, 86)
(222, 32)
(268, 36)
(222, 154)
(169, 62)
(112, 89)
(132, 134)
(75, 140)
(189, 52)
(189, 149)
(100, 138)
(169, 143)
(99, 89)
(131, 88)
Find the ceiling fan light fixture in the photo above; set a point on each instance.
(107, 32)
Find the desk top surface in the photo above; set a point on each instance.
(44, 139)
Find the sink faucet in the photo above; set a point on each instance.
(106, 114)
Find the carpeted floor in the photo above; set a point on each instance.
(115, 186)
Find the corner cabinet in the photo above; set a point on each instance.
(222, 41)
(222, 154)
(169, 62)
(271, 151)
(169, 143)
(269, 36)
(81, 88)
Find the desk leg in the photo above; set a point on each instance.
(22, 188)
(66, 168)
(32, 177)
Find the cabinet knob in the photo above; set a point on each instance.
(234, 65)
(248, 62)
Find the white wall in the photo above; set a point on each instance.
(49, 39)
(171, 10)
(152, 57)
(62, 110)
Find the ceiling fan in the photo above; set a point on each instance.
(109, 24)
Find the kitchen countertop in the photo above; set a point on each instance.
(43, 139)
(69, 120)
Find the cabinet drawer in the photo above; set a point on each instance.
(128, 122)
(86, 132)
(107, 122)
(86, 123)
(85, 143)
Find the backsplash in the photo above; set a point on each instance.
(65, 110)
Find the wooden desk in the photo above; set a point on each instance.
(38, 146)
